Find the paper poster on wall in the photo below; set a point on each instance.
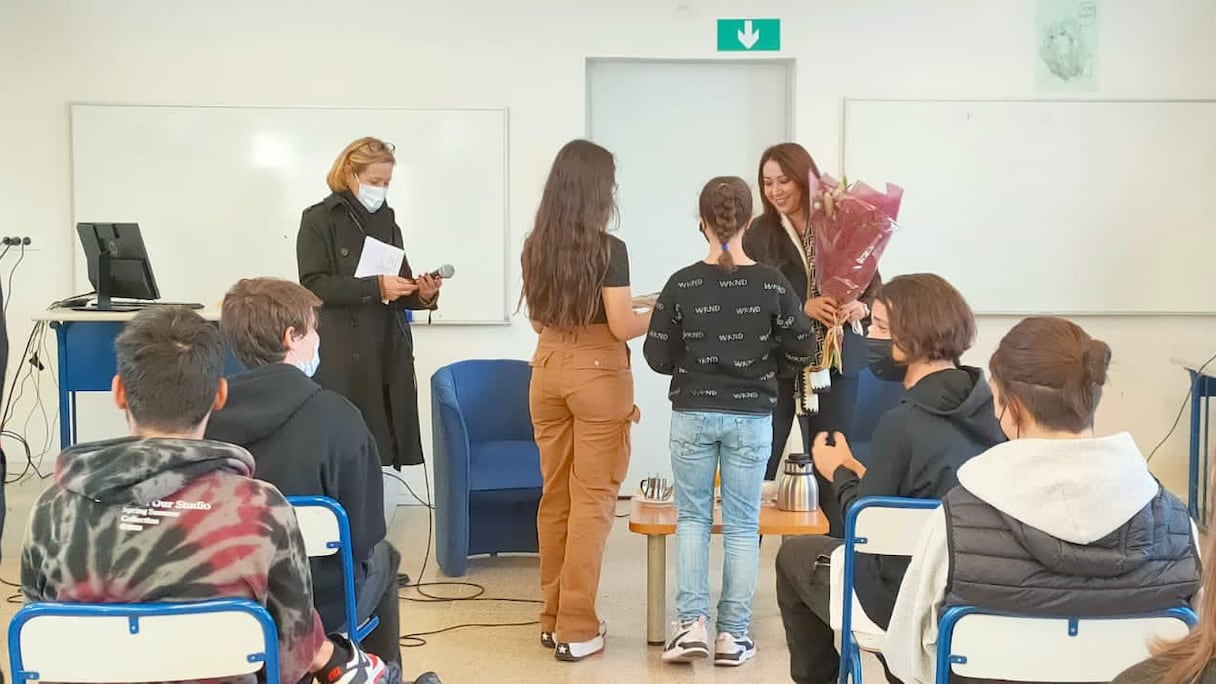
(1066, 49)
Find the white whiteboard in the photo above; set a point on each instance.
(1082, 207)
(218, 191)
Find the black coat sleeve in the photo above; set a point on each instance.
(413, 301)
(317, 265)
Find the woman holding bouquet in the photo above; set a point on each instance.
(781, 237)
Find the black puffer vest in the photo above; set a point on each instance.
(1148, 564)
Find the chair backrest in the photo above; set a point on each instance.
(142, 642)
(874, 399)
(326, 531)
(494, 392)
(879, 525)
(973, 642)
(887, 525)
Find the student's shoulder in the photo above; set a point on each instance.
(335, 411)
(616, 244)
(688, 277)
(771, 278)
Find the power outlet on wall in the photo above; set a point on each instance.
(17, 241)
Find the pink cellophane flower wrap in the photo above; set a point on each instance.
(851, 226)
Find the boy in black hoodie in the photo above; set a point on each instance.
(306, 440)
(921, 328)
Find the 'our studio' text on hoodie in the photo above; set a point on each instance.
(722, 335)
(170, 520)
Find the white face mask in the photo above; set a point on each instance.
(372, 196)
(308, 367)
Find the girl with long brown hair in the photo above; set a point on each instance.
(781, 237)
(721, 328)
(576, 287)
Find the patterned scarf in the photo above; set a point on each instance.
(812, 379)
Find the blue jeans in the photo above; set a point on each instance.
(738, 446)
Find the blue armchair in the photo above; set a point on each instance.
(874, 398)
(487, 466)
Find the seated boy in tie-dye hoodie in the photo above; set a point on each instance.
(165, 516)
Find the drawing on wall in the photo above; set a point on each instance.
(1067, 49)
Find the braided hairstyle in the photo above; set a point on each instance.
(726, 209)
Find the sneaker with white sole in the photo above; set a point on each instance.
(547, 640)
(689, 641)
(732, 651)
(574, 651)
(361, 668)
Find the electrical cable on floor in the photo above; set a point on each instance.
(415, 639)
(410, 489)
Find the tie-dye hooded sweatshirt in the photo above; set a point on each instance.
(148, 520)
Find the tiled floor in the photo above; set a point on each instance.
(513, 654)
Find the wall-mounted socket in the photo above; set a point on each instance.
(16, 241)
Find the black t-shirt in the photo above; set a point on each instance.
(617, 276)
(721, 335)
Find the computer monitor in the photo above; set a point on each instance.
(118, 264)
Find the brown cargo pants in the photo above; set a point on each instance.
(581, 399)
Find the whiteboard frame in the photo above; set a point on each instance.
(1017, 313)
(506, 174)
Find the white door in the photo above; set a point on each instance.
(672, 127)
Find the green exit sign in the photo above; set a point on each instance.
(749, 35)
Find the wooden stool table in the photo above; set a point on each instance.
(659, 521)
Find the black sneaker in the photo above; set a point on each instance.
(547, 640)
(574, 651)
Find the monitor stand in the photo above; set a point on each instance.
(104, 285)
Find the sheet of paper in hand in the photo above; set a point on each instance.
(379, 259)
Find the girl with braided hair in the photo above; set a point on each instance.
(721, 328)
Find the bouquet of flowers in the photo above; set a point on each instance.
(851, 226)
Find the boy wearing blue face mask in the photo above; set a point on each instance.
(306, 440)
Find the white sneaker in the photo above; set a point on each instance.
(689, 641)
(574, 651)
(733, 651)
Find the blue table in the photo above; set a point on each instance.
(1203, 388)
(86, 357)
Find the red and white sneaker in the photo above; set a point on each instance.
(362, 668)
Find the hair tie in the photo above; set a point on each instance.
(725, 246)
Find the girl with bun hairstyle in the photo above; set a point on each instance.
(721, 328)
(1056, 521)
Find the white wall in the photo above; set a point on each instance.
(529, 56)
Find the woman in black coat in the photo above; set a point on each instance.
(367, 347)
(779, 238)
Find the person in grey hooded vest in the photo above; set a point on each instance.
(1057, 521)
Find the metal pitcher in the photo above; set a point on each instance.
(797, 489)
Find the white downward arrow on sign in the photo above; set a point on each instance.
(748, 36)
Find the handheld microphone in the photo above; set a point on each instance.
(444, 271)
